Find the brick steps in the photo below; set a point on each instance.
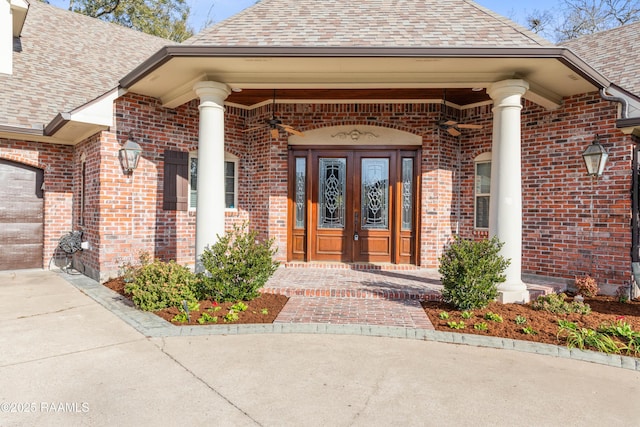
(352, 266)
(337, 292)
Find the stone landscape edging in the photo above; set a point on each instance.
(153, 326)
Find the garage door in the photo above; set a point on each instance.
(21, 216)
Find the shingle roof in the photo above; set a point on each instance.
(66, 60)
(364, 23)
(614, 53)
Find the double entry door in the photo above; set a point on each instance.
(353, 205)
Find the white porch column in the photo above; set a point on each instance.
(211, 204)
(505, 212)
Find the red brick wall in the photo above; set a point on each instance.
(55, 160)
(87, 218)
(130, 217)
(572, 225)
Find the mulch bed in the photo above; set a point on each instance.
(605, 309)
(263, 309)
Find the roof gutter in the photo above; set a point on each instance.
(57, 123)
(565, 55)
(48, 130)
(32, 131)
(629, 120)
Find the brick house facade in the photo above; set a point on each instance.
(571, 224)
(565, 233)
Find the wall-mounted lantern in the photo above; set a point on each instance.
(129, 156)
(595, 158)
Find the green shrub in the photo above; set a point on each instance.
(457, 325)
(237, 266)
(482, 326)
(619, 328)
(470, 271)
(585, 337)
(494, 317)
(128, 270)
(555, 303)
(157, 285)
(231, 316)
(239, 306)
(207, 318)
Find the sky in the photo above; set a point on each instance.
(203, 11)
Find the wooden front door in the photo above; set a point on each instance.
(353, 205)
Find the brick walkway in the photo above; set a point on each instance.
(348, 296)
(337, 294)
(344, 310)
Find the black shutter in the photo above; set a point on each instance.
(176, 181)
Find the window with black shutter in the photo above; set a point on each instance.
(176, 180)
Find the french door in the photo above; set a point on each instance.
(353, 205)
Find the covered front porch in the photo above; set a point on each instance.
(524, 125)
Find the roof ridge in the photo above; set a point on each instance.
(367, 23)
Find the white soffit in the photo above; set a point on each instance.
(19, 10)
(172, 82)
(99, 111)
(87, 120)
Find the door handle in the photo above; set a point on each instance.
(355, 226)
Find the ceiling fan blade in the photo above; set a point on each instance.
(274, 133)
(291, 130)
(253, 128)
(450, 123)
(453, 131)
(469, 126)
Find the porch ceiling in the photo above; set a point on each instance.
(361, 73)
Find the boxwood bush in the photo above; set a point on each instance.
(470, 271)
(237, 265)
(158, 284)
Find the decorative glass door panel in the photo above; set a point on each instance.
(407, 194)
(297, 241)
(301, 192)
(332, 206)
(332, 193)
(375, 194)
(374, 240)
(406, 240)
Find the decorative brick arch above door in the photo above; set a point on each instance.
(356, 135)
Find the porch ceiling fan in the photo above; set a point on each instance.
(451, 126)
(275, 124)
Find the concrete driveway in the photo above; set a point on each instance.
(66, 360)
